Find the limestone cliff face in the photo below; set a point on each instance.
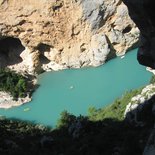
(60, 34)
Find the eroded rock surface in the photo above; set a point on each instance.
(61, 34)
(138, 104)
(142, 13)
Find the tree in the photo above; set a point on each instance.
(65, 119)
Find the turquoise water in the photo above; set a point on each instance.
(76, 90)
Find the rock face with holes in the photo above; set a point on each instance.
(60, 34)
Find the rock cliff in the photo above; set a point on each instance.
(142, 13)
(59, 34)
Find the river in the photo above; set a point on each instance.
(75, 90)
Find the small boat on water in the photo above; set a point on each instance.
(26, 109)
(122, 57)
(71, 87)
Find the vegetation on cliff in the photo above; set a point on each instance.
(115, 110)
(15, 84)
(152, 80)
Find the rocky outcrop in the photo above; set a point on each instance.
(150, 146)
(138, 104)
(140, 112)
(142, 13)
(61, 34)
(7, 101)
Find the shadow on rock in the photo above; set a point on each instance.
(80, 136)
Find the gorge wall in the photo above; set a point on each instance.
(59, 34)
(142, 13)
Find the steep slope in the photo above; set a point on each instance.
(61, 34)
(142, 13)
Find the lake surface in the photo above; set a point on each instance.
(76, 90)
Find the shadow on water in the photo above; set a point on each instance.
(80, 136)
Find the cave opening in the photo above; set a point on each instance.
(10, 50)
(43, 48)
(127, 29)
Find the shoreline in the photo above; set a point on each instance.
(6, 100)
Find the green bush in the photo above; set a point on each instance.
(13, 83)
(65, 119)
(152, 80)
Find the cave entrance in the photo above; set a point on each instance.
(43, 48)
(10, 50)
